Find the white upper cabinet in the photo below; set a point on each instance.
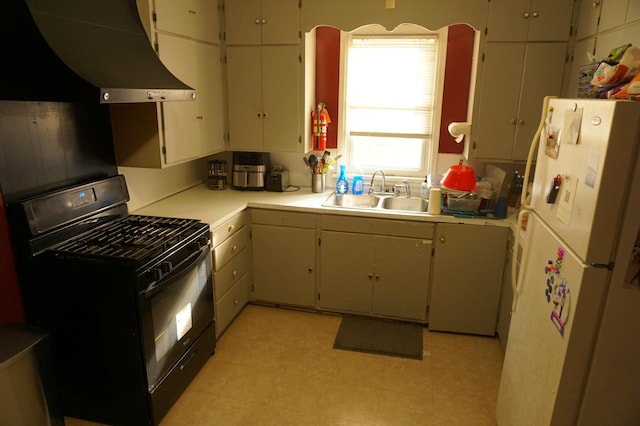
(197, 19)
(262, 21)
(516, 78)
(529, 20)
(588, 17)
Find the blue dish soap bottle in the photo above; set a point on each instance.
(342, 186)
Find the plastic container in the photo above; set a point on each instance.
(357, 185)
(435, 200)
(424, 188)
(463, 204)
(342, 186)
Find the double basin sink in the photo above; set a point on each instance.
(377, 202)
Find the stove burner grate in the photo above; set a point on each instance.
(131, 238)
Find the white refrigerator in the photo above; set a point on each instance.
(573, 353)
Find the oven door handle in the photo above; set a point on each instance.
(178, 272)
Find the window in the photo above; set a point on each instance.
(390, 97)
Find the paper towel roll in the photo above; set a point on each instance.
(459, 129)
(435, 199)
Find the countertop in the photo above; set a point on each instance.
(215, 207)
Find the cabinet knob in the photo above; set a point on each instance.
(596, 3)
(521, 121)
(258, 21)
(310, 270)
(235, 302)
(265, 115)
(377, 277)
(231, 228)
(525, 15)
(442, 240)
(513, 121)
(370, 276)
(193, 12)
(234, 248)
(259, 115)
(234, 274)
(199, 117)
(534, 14)
(264, 21)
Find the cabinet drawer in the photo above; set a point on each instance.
(225, 251)
(231, 272)
(398, 228)
(228, 228)
(230, 305)
(283, 218)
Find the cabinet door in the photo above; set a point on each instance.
(542, 76)
(262, 21)
(401, 276)
(209, 92)
(281, 98)
(197, 19)
(511, 96)
(498, 106)
(181, 127)
(346, 275)
(280, 22)
(550, 20)
(244, 79)
(284, 264)
(243, 21)
(507, 21)
(588, 17)
(526, 20)
(467, 278)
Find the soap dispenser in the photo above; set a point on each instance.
(424, 188)
(342, 186)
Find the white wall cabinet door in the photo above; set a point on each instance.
(588, 17)
(262, 22)
(529, 20)
(197, 19)
(511, 96)
(264, 98)
(467, 278)
(192, 129)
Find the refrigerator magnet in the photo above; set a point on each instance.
(561, 299)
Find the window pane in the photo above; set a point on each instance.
(379, 120)
(389, 154)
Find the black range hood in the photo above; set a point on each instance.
(76, 50)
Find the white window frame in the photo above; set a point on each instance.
(431, 151)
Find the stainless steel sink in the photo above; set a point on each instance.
(352, 201)
(413, 204)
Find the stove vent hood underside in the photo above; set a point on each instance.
(72, 50)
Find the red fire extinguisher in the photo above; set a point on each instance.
(320, 121)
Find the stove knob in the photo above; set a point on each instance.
(156, 274)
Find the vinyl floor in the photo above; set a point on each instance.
(277, 367)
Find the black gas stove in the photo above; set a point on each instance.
(128, 300)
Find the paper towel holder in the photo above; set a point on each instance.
(459, 129)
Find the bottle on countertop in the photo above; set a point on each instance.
(424, 188)
(342, 186)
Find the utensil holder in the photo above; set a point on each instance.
(317, 182)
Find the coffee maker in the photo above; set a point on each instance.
(250, 170)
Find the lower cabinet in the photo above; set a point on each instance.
(372, 274)
(284, 257)
(231, 269)
(468, 268)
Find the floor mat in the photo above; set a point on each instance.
(379, 336)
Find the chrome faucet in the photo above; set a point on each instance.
(384, 182)
(399, 186)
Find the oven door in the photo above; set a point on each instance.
(174, 312)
